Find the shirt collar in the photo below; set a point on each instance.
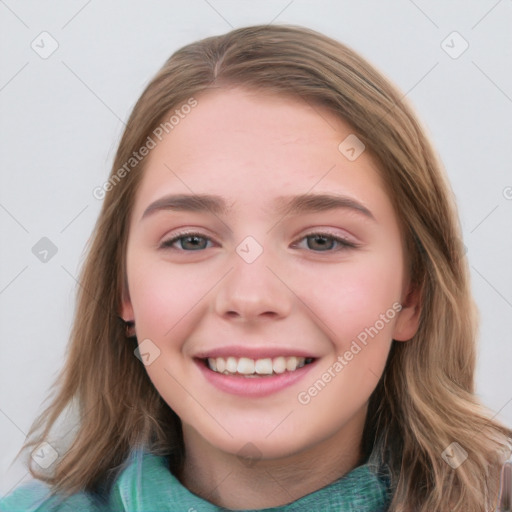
(146, 484)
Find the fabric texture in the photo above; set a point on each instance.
(147, 485)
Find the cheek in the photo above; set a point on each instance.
(358, 305)
(167, 300)
(165, 296)
(351, 297)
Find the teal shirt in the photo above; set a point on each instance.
(147, 485)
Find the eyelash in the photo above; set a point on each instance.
(345, 244)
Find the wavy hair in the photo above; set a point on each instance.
(426, 397)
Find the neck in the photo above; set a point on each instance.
(224, 480)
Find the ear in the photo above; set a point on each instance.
(408, 319)
(126, 312)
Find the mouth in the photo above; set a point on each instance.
(255, 368)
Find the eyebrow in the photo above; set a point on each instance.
(285, 205)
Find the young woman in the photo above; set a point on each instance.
(275, 311)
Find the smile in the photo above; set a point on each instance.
(256, 367)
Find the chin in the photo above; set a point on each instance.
(256, 443)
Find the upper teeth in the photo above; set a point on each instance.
(247, 366)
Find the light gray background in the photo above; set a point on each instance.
(61, 118)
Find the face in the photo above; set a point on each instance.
(299, 305)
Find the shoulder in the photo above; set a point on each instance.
(129, 490)
(144, 483)
(35, 496)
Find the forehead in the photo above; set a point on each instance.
(237, 118)
(251, 147)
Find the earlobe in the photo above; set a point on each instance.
(408, 319)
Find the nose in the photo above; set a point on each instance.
(254, 291)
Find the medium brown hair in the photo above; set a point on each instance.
(426, 397)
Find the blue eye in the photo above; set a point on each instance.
(325, 242)
(194, 239)
(317, 242)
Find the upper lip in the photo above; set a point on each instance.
(253, 352)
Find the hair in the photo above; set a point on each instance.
(425, 399)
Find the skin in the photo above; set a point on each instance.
(251, 147)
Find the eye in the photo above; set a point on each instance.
(326, 242)
(317, 242)
(188, 242)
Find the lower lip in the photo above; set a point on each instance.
(254, 386)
